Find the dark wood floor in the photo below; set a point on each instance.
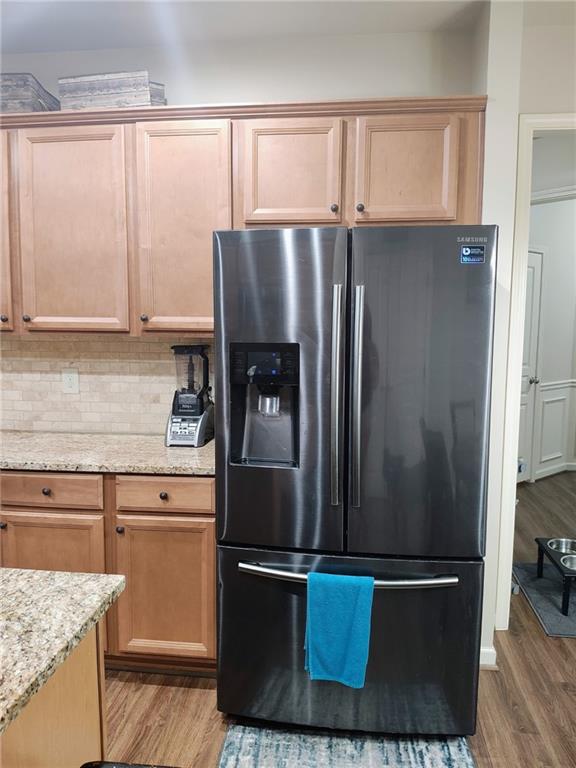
(545, 508)
(526, 710)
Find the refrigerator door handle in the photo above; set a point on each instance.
(335, 379)
(274, 573)
(357, 393)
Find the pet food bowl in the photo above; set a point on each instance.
(569, 561)
(564, 546)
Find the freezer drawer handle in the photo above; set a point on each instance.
(335, 395)
(273, 573)
(357, 393)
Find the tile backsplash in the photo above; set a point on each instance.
(126, 384)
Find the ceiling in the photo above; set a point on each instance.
(29, 26)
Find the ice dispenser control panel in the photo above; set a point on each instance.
(264, 364)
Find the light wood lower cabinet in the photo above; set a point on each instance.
(168, 607)
(64, 723)
(52, 541)
(159, 531)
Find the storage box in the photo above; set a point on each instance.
(21, 92)
(112, 89)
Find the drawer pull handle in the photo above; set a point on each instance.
(3, 526)
(4, 318)
(119, 529)
(144, 318)
(46, 491)
(26, 318)
(163, 495)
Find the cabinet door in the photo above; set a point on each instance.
(6, 309)
(168, 606)
(50, 541)
(73, 228)
(292, 170)
(406, 168)
(184, 194)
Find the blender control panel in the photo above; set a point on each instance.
(191, 431)
(184, 429)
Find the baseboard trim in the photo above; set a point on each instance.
(555, 470)
(488, 657)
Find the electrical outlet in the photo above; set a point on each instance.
(70, 381)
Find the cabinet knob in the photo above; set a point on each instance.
(3, 526)
(46, 491)
(119, 529)
(360, 207)
(163, 495)
(534, 380)
(144, 318)
(334, 207)
(26, 318)
(4, 318)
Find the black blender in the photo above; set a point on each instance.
(191, 421)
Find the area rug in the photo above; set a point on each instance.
(252, 747)
(545, 598)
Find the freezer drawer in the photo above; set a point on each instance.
(423, 667)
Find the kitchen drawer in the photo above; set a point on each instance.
(165, 494)
(51, 489)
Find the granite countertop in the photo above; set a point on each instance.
(43, 616)
(72, 452)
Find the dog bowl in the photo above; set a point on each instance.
(569, 561)
(565, 546)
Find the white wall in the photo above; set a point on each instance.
(553, 227)
(291, 69)
(503, 88)
(548, 58)
(554, 161)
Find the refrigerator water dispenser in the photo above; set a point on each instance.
(264, 381)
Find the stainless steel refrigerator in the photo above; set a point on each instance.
(352, 410)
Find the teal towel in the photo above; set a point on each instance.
(338, 617)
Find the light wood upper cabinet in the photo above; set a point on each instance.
(6, 309)
(73, 238)
(168, 606)
(184, 181)
(51, 541)
(407, 168)
(292, 170)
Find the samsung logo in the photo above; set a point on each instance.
(471, 239)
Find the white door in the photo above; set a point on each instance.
(530, 378)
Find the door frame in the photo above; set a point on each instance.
(528, 125)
